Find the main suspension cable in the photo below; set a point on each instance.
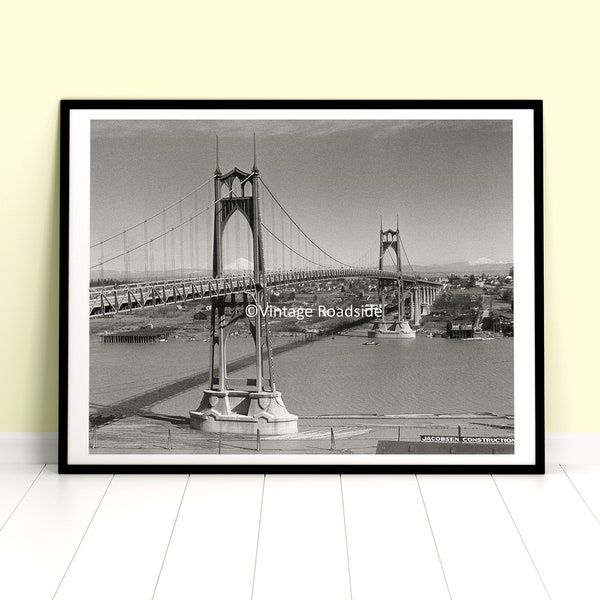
(160, 212)
(173, 228)
(300, 228)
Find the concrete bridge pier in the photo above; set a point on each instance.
(237, 411)
(416, 308)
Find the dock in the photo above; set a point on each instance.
(139, 336)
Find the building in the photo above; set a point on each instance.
(457, 329)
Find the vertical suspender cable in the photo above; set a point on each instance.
(249, 245)
(181, 263)
(197, 233)
(208, 213)
(306, 247)
(173, 253)
(267, 246)
(267, 257)
(152, 259)
(291, 244)
(237, 260)
(146, 249)
(125, 256)
(164, 237)
(102, 263)
(282, 246)
(274, 253)
(191, 245)
(224, 247)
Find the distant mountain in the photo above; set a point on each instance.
(461, 268)
(240, 265)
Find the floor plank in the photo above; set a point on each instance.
(302, 544)
(212, 550)
(561, 534)
(42, 536)
(392, 552)
(122, 552)
(14, 483)
(480, 548)
(586, 478)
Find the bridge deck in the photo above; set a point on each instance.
(137, 295)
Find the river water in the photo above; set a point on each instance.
(332, 376)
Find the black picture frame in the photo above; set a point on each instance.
(72, 255)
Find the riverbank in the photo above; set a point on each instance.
(347, 435)
(141, 403)
(176, 320)
(191, 320)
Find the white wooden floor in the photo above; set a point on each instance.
(299, 537)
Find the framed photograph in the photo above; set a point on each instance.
(301, 286)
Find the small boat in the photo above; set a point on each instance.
(371, 344)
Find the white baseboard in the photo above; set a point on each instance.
(568, 448)
(573, 448)
(29, 447)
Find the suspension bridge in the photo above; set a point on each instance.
(231, 243)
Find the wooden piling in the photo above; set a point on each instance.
(332, 445)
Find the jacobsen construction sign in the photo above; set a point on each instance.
(467, 439)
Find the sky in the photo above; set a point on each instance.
(449, 182)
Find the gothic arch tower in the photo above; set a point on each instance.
(388, 240)
(229, 404)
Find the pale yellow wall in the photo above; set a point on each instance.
(133, 49)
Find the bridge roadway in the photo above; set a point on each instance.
(137, 295)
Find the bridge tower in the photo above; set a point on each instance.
(240, 405)
(389, 239)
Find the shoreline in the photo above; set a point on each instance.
(146, 435)
(139, 403)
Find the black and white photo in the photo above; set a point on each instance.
(321, 286)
